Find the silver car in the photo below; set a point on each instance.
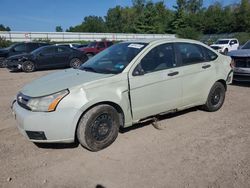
(125, 84)
(241, 64)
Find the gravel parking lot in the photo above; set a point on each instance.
(193, 149)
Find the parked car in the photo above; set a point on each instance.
(129, 82)
(226, 45)
(241, 59)
(46, 57)
(18, 48)
(95, 47)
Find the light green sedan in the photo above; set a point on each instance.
(127, 83)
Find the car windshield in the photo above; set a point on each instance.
(222, 42)
(246, 46)
(92, 45)
(38, 50)
(114, 59)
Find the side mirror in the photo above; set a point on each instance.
(138, 71)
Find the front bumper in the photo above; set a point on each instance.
(48, 127)
(13, 66)
(241, 77)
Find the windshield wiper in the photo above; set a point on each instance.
(89, 69)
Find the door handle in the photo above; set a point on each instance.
(206, 66)
(173, 73)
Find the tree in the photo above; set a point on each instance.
(114, 20)
(59, 29)
(3, 28)
(90, 24)
(243, 16)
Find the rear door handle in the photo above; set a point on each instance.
(173, 73)
(206, 66)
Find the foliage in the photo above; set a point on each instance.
(188, 19)
(59, 29)
(243, 37)
(42, 40)
(90, 24)
(3, 28)
(4, 43)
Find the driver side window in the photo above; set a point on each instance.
(159, 58)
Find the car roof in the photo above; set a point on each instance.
(160, 40)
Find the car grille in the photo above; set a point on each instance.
(23, 100)
(216, 47)
(242, 62)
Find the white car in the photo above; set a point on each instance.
(225, 45)
(127, 83)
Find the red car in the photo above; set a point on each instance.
(95, 47)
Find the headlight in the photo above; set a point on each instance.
(46, 103)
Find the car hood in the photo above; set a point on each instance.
(240, 53)
(59, 81)
(3, 51)
(218, 45)
(24, 55)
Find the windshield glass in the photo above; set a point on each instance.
(36, 51)
(246, 46)
(222, 42)
(114, 59)
(92, 45)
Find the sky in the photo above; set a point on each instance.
(45, 15)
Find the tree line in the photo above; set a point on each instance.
(189, 19)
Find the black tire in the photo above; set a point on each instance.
(89, 55)
(75, 63)
(98, 128)
(225, 51)
(2, 64)
(215, 98)
(28, 66)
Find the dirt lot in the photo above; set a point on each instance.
(194, 149)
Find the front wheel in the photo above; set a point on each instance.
(75, 63)
(28, 66)
(98, 128)
(215, 98)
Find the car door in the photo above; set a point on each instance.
(234, 44)
(198, 73)
(46, 58)
(62, 56)
(155, 83)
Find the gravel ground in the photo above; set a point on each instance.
(193, 149)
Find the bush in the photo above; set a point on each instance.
(242, 37)
(189, 33)
(4, 43)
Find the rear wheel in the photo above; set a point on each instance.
(98, 128)
(75, 63)
(28, 66)
(215, 98)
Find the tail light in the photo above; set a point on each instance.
(232, 64)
